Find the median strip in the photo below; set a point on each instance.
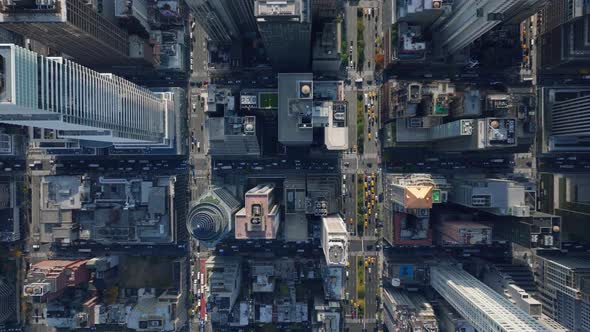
(360, 288)
(360, 123)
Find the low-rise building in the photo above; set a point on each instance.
(322, 195)
(47, 280)
(462, 233)
(156, 312)
(223, 280)
(263, 277)
(219, 100)
(411, 46)
(107, 210)
(259, 100)
(329, 321)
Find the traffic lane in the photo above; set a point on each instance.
(355, 246)
(351, 282)
(351, 98)
(93, 249)
(245, 79)
(199, 163)
(387, 8)
(131, 166)
(351, 29)
(277, 248)
(370, 143)
(370, 204)
(199, 54)
(197, 116)
(372, 287)
(371, 290)
(12, 166)
(350, 203)
(369, 35)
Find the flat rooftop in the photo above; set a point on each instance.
(289, 132)
(335, 224)
(109, 209)
(277, 8)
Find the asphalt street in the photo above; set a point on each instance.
(199, 164)
(362, 161)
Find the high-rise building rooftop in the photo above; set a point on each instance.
(73, 27)
(79, 103)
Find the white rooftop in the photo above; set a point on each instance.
(483, 307)
(334, 224)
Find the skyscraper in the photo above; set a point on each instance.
(407, 209)
(70, 26)
(334, 240)
(216, 19)
(563, 34)
(243, 12)
(497, 196)
(212, 216)
(59, 94)
(565, 118)
(469, 20)
(7, 301)
(285, 28)
(562, 282)
(260, 217)
(323, 9)
(482, 306)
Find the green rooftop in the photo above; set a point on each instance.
(269, 100)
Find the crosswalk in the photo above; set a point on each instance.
(365, 238)
(360, 321)
(363, 253)
(370, 156)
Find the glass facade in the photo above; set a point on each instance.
(91, 104)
